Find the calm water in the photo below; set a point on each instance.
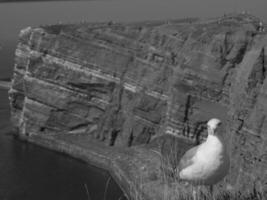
(29, 172)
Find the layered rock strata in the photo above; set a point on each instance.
(130, 84)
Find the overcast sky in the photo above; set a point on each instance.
(15, 16)
(18, 15)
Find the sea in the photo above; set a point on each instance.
(30, 172)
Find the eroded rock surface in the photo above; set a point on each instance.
(131, 84)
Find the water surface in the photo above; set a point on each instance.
(29, 172)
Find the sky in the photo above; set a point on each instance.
(15, 16)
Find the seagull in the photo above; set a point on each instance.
(207, 163)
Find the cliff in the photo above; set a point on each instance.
(134, 86)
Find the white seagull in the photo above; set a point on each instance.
(207, 163)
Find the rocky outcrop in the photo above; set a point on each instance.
(132, 84)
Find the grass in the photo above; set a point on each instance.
(87, 192)
(203, 193)
(174, 189)
(106, 188)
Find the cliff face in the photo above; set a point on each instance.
(130, 84)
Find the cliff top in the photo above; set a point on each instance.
(225, 22)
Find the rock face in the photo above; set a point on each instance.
(130, 84)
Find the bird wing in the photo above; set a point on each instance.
(187, 158)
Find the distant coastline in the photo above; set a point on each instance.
(5, 83)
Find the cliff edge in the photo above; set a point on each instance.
(146, 87)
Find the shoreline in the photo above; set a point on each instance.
(74, 152)
(5, 85)
(122, 165)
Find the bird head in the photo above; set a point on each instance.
(213, 125)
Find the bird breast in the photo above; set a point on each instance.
(210, 151)
(210, 163)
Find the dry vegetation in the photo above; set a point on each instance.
(183, 190)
